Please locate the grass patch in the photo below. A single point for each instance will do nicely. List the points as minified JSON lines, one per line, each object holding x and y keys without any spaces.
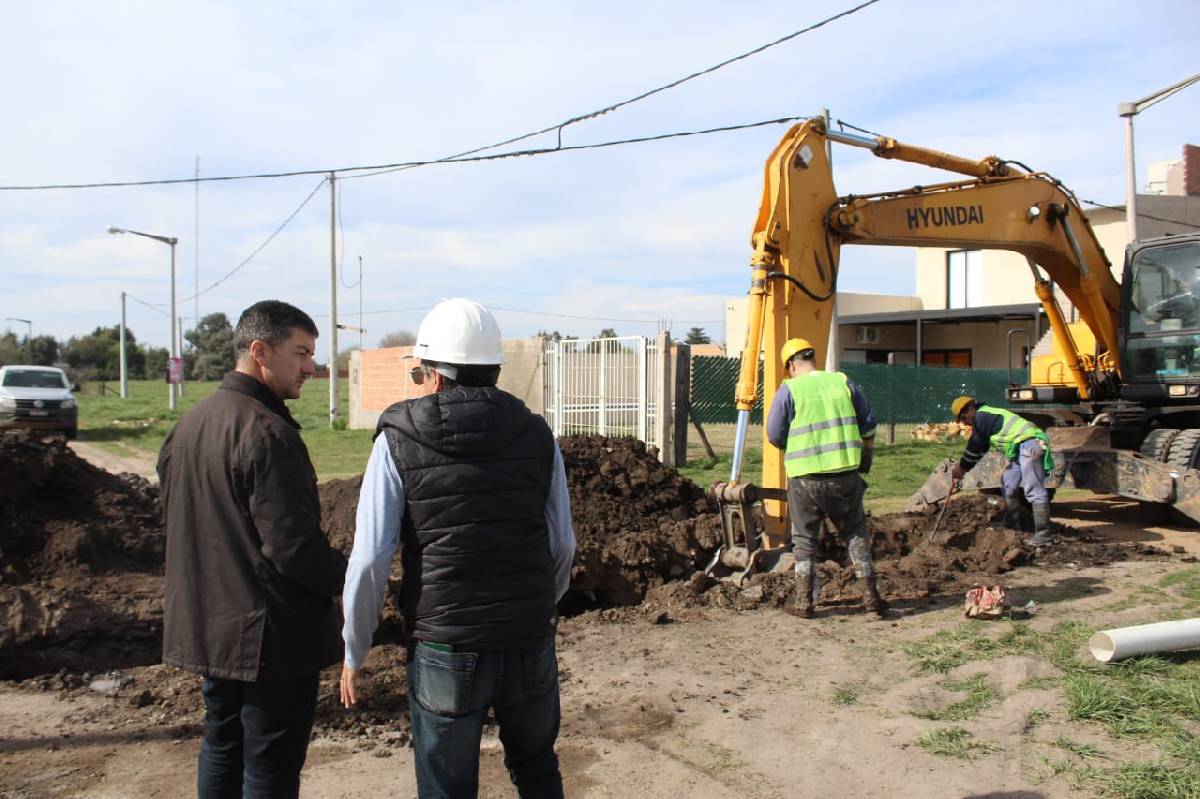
{"x":979,"y":693}
{"x":954,"y":742}
{"x":1038,"y":684}
{"x":141,"y":422}
{"x":1148,"y":781}
{"x":948,"y":649}
{"x":1039,"y":715}
{"x":1085,"y":751}
{"x":847,"y":695}
{"x":897,"y":473}
{"x":1186,"y":584}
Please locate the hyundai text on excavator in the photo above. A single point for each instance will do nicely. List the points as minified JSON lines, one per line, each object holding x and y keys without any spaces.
{"x":1123,"y":381}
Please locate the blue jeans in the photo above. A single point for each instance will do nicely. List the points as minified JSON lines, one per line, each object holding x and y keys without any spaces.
{"x":1027,"y":473}
{"x":255,"y":737}
{"x":449,"y":695}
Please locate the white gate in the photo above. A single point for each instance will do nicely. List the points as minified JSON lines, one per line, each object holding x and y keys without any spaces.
{"x":604,"y":386}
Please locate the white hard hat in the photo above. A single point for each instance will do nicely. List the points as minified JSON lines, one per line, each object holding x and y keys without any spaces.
{"x":459,"y":331}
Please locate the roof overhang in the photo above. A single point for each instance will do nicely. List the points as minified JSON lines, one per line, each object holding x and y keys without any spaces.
{"x":989,"y":313}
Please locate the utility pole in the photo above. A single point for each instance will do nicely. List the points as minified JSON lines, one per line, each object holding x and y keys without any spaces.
{"x":360,"y":308}
{"x":196,"y":246}
{"x":124,"y":361}
{"x":333,"y":319}
{"x":180,"y":351}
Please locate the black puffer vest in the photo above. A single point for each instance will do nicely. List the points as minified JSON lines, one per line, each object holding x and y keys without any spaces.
{"x":476,"y":467}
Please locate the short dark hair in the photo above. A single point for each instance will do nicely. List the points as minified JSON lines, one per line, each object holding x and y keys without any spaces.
{"x":474,"y":376}
{"x":803,"y":355}
{"x":271,"y":322}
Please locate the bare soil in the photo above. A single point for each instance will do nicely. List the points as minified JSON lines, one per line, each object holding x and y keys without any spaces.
{"x":671,"y":682}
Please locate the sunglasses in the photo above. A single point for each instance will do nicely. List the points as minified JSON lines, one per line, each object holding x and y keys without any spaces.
{"x":418,"y":373}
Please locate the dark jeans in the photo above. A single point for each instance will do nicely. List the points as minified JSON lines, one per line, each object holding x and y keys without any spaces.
{"x":449,"y":694}
{"x":255,"y":737}
{"x":838,"y":497}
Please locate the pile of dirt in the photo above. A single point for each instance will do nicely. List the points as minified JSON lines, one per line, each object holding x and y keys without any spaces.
{"x":81,"y":554}
{"x":970,"y":548}
{"x":638,"y":524}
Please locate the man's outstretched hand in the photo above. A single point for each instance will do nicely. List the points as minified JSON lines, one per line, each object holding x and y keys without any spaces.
{"x":348,"y":686}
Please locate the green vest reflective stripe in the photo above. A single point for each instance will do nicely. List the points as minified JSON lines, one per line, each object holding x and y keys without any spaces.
{"x":1014,"y":432}
{"x":824,"y":435}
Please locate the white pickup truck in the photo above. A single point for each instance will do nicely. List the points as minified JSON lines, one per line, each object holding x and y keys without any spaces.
{"x":37,"y":397}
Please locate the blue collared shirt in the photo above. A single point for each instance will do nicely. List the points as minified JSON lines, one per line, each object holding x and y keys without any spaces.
{"x":377,"y":536}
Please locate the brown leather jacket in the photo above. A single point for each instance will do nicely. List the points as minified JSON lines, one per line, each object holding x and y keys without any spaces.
{"x":251,"y":581}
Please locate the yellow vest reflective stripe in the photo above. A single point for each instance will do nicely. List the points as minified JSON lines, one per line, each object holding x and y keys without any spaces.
{"x":1014,"y":429}
{"x":824,"y":435}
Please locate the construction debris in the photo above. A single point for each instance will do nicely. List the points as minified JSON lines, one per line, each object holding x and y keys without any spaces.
{"x":942,"y":431}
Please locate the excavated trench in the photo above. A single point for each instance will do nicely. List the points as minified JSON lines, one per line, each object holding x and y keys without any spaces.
{"x":81,"y":555}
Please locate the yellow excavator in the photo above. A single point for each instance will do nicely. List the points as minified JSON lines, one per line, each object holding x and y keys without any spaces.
{"x":1123,"y":381}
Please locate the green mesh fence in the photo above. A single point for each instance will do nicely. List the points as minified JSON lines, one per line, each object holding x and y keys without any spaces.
{"x":902,"y":394}
{"x":713,"y":382}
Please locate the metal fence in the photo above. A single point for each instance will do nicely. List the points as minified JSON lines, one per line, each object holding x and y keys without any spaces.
{"x":902,"y":394}
{"x":604,"y":386}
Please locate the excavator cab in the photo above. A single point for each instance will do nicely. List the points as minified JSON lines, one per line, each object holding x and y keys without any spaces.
{"x":1162,"y":320}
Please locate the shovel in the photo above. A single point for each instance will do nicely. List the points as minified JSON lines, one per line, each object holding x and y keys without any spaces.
{"x":941,"y":513}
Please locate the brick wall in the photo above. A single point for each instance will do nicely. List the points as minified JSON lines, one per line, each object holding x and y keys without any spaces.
{"x":379,"y":378}
{"x":1191,"y":169}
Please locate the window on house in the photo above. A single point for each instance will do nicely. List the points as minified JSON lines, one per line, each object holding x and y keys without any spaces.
{"x":964,"y":279}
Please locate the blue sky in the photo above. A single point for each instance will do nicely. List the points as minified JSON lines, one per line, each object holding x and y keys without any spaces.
{"x":137,"y":90}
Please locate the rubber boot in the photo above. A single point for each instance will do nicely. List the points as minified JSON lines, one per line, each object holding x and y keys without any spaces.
{"x":1041,"y":526}
{"x":1012,"y":512}
{"x":802,"y":608}
{"x":872,"y":602}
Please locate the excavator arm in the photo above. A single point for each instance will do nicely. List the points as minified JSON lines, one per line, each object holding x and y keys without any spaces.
{"x":802,"y":224}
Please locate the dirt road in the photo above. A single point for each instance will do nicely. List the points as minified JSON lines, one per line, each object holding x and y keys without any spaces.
{"x":700,"y":702}
{"x":699,"y":689}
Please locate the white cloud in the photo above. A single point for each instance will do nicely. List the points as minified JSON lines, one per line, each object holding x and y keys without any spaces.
{"x":137,"y":89}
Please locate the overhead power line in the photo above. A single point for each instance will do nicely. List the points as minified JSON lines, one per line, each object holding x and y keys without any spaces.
{"x":252,"y":255}
{"x":1143,"y":214}
{"x":384,"y":168}
{"x":465,"y":155}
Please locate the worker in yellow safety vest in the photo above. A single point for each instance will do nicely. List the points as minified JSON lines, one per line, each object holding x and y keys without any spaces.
{"x":823,"y":423}
{"x":1027,"y":449}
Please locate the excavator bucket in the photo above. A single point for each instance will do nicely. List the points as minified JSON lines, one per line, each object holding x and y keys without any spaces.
{"x":745,"y":549}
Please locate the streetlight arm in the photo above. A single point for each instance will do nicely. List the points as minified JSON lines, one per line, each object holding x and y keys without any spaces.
{"x":1138,"y":106}
{"x":164,"y":239}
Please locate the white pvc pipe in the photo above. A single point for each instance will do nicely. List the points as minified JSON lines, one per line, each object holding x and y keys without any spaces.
{"x":1163,"y":636}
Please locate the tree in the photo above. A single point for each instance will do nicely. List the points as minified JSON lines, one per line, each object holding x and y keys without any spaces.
{"x":97,"y":355}
{"x":155,"y":363}
{"x":343,"y":358}
{"x":398,"y":338}
{"x":607,"y":332}
{"x":696,"y":335}
{"x":44,"y":350}
{"x":213,"y":351}
{"x":10,"y":349}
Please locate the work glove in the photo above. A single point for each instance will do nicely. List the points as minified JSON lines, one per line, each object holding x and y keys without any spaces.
{"x":868,"y":455}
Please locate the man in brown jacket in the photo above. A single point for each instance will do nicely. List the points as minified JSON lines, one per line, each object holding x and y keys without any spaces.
{"x":251,"y":580}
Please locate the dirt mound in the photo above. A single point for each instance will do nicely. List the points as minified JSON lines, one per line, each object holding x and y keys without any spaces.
{"x":59,"y":513}
{"x":637,"y":523}
{"x":81,"y":554}
{"x":970,"y":548}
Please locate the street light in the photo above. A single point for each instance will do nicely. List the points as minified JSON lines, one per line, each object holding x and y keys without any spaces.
{"x":172,"y":350}
{"x":1129,"y":111}
{"x":28,"y":336}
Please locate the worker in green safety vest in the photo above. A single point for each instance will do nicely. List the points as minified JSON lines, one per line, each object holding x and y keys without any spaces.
{"x":824,"y":425}
{"x":1027,"y":449}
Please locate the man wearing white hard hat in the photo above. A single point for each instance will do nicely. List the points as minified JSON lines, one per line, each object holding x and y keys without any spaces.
{"x":469,"y":484}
